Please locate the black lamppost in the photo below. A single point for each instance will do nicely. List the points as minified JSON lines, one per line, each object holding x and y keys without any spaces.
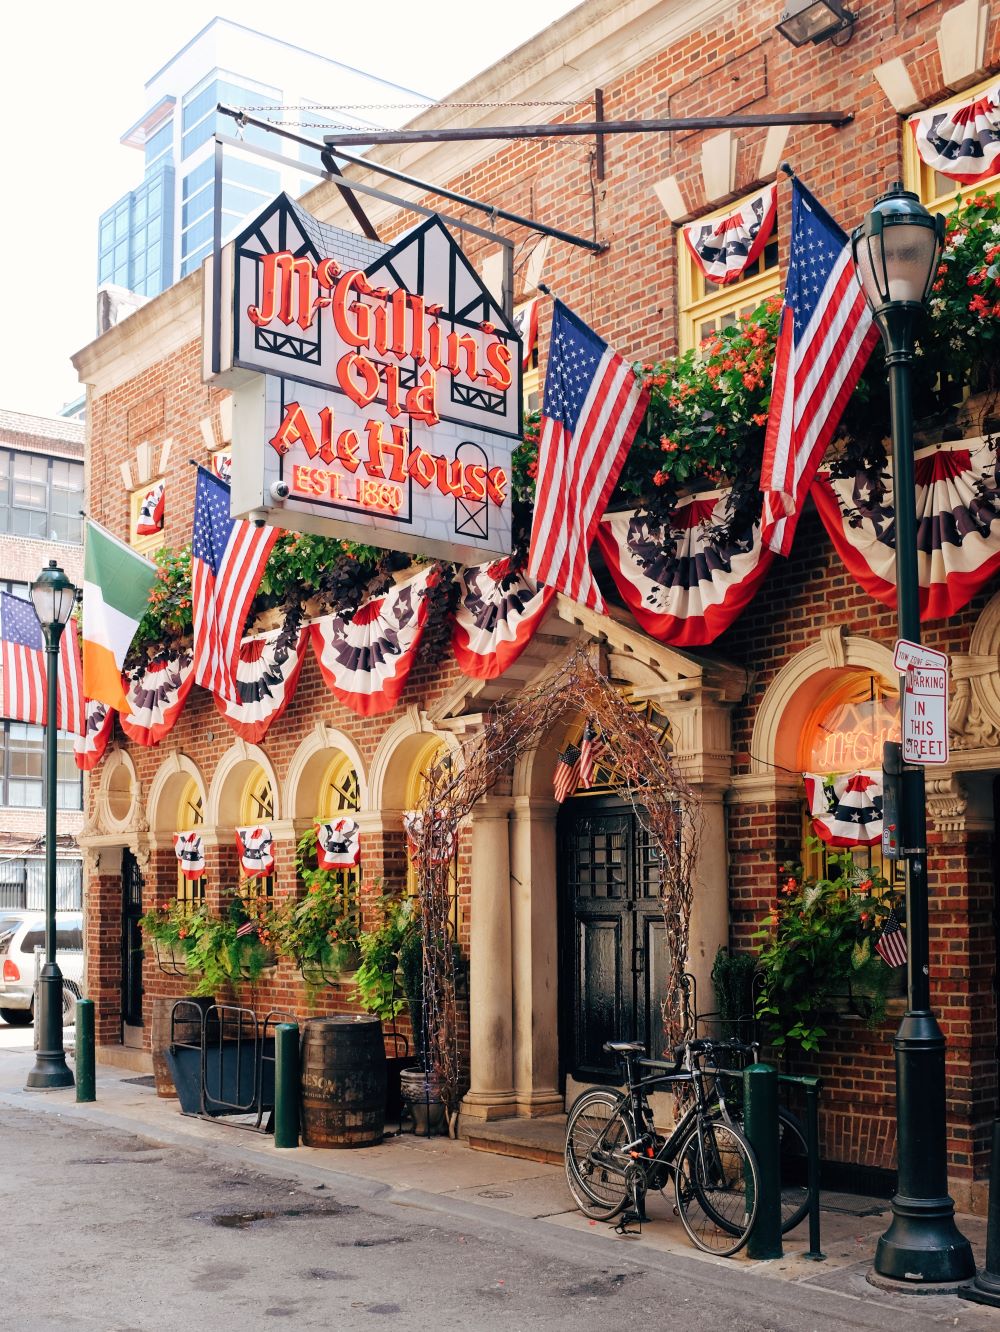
{"x":896,"y":252}
{"x":53,"y":597}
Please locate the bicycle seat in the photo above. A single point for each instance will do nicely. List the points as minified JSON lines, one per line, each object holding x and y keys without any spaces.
{"x":624,"y":1047}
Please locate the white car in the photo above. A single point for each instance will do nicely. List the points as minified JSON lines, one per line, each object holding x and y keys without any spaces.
{"x":20,"y":933}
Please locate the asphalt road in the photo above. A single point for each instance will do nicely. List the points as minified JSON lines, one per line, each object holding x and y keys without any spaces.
{"x":108,"y":1232}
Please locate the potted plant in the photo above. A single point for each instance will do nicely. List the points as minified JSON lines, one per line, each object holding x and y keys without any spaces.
{"x":170,"y":930}
{"x":817,"y":949}
{"x":733,"y":981}
{"x":379,"y":985}
{"x":320,"y":930}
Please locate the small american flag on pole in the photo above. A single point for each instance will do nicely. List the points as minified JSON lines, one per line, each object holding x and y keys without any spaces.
{"x":891,"y":943}
{"x":590,"y":750}
{"x":826,"y":336}
{"x":566,"y":776}
{"x":24,"y":670}
{"x":593,"y":405}
{"x":227,"y":563}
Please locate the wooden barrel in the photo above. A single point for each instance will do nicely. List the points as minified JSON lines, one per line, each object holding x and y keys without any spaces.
{"x":187,"y":1028}
{"x":343,"y":1082}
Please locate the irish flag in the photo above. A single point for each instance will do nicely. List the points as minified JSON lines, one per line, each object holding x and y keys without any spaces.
{"x":116,"y":587}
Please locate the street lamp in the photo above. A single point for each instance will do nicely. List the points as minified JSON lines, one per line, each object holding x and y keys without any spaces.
{"x":53,"y":597}
{"x":896,"y":253}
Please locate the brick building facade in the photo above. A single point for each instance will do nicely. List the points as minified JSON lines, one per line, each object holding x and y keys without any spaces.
{"x":738,"y":711}
{"x":41,"y":494}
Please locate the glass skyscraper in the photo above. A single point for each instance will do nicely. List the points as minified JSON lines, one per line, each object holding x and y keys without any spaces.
{"x":162,"y":230}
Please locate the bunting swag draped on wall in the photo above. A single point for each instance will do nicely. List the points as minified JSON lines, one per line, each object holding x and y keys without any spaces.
{"x":267,"y":672}
{"x":156,"y":698}
{"x":689,"y":597}
{"x":98,"y":723}
{"x":962,"y":142}
{"x":498,"y":612}
{"x":846,"y":810}
{"x":958,"y":532}
{"x":725,"y":247}
{"x":365,"y":662}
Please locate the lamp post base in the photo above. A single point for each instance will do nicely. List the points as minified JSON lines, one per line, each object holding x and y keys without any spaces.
{"x":51,"y":1069}
{"x":923,"y":1246}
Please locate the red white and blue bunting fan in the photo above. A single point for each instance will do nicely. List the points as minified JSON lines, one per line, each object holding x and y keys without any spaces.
{"x":157,"y":698}
{"x":725,"y":247}
{"x":683,"y":590}
{"x":846,"y":809}
{"x":443,"y":840}
{"x":267,"y":672}
{"x":958,"y":525}
{"x":190,"y":852}
{"x":498,"y":611}
{"x":963,"y":142}
{"x":366,"y":661}
{"x":98,"y":723}
{"x":150,"y":519}
{"x":256,"y":848}
{"x":338,"y":843}
{"x":222,"y":466}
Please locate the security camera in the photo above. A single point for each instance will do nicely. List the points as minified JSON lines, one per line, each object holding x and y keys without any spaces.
{"x":280,"y":490}
{"x":258,"y":517}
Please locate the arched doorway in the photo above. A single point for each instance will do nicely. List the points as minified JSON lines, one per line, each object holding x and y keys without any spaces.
{"x":612,"y":981}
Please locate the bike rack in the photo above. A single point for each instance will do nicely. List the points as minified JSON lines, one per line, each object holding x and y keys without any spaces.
{"x":809,"y":1085}
{"x":230,"y":1070}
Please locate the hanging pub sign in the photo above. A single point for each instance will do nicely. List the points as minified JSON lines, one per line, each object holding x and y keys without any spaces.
{"x":376,"y":389}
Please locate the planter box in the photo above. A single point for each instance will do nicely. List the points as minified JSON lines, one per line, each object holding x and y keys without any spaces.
{"x":231,"y":1068}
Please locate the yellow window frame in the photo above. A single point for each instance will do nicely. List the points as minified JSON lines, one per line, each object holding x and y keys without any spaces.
{"x":257,"y":806}
{"x":190,"y":815}
{"x":145,"y":545}
{"x":416,"y":787}
{"x":935,"y":191}
{"x":338,"y":794}
{"x":702,"y":303}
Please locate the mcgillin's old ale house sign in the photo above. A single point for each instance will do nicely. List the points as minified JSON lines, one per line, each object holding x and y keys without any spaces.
{"x":376,"y":389}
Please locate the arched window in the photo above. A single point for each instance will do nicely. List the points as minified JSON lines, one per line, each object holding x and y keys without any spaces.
{"x":190,"y":815}
{"x":416,"y":790}
{"x":846,"y":730}
{"x":338,"y":794}
{"x":257,"y":806}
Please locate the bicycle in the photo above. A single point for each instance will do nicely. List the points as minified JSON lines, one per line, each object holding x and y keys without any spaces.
{"x":614,"y":1154}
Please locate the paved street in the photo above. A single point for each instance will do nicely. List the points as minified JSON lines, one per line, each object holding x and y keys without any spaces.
{"x":112,"y":1231}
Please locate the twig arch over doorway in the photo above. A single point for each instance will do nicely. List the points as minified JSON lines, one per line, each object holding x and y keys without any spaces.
{"x":664,"y":801}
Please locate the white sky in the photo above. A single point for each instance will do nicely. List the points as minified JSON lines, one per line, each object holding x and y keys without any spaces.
{"x":72,"y":76}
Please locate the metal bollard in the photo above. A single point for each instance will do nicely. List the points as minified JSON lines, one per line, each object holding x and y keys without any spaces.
{"x":984,"y":1288}
{"x":286,"y":1084}
{"x":85,"y":1082}
{"x":760,"y":1091}
{"x":815,"y":1253}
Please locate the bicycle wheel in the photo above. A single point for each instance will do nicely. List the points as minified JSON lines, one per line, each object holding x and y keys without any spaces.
{"x":597,"y":1125}
{"x":793,"y":1159}
{"x":716,"y":1187}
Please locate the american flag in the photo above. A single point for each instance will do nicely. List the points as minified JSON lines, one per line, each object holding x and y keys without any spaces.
{"x":826,"y":336}
{"x":590,"y":749}
{"x":891,"y":943}
{"x":227,"y":563}
{"x":24,"y":669}
{"x":566,"y":776}
{"x":592,"y":408}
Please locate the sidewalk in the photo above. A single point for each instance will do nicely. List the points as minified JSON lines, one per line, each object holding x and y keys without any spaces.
{"x":454,"y":1177}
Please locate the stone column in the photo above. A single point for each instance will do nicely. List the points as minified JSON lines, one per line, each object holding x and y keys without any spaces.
{"x":709,"y":926}
{"x":534,"y":930}
{"x":491,"y":1091}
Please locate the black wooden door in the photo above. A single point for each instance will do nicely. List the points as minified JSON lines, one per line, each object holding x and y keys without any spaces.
{"x":131,"y":941}
{"x":613,"y":938}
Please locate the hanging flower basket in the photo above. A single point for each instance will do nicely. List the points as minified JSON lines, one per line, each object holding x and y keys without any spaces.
{"x":171,"y":961}
{"x":318,"y":972}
